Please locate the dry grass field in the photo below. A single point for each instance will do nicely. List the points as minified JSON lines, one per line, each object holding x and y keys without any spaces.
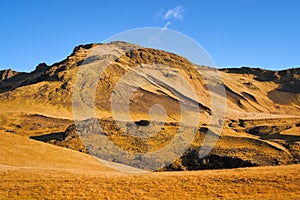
{"x":35,"y":170}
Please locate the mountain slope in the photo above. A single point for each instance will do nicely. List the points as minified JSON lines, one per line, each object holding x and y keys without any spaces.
{"x":247,"y":90}
{"x":262,"y":109}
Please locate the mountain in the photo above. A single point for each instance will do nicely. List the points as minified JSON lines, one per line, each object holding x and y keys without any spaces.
{"x":261,"y":124}
{"x":6,"y":74}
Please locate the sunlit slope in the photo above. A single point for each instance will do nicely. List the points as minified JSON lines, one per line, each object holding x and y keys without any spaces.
{"x":262,"y":107}
{"x":19,"y":152}
{"x":249,"y":92}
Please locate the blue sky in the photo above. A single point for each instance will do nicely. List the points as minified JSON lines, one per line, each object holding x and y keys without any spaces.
{"x":257,"y":33}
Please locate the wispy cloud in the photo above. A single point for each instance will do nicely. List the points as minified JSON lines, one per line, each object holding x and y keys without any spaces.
{"x":175,"y":13}
{"x":166,"y":25}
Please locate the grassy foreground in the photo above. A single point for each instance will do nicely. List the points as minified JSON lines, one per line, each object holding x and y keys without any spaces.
{"x":281,"y":182}
{"x":35,"y":170}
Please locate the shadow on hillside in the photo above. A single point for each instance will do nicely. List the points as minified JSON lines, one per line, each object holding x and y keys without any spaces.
{"x":290,"y":139}
{"x":60,"y":136}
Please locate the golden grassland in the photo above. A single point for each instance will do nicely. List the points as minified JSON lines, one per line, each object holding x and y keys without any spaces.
{"x":280,"y":182}
{"x":35,"y":170}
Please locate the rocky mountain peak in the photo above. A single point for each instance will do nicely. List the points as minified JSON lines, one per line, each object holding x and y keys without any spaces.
{"x":41,"y":67}
{"x":83,"y":47}
{"x":6,"y":74}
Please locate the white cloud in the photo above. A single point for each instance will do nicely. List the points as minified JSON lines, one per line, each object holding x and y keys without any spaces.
{"x":169,"y":16}
{"x":175,"y":13}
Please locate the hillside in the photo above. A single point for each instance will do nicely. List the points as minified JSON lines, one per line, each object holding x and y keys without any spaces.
{"x":261,"y":124}
{"x":248,"y":90}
